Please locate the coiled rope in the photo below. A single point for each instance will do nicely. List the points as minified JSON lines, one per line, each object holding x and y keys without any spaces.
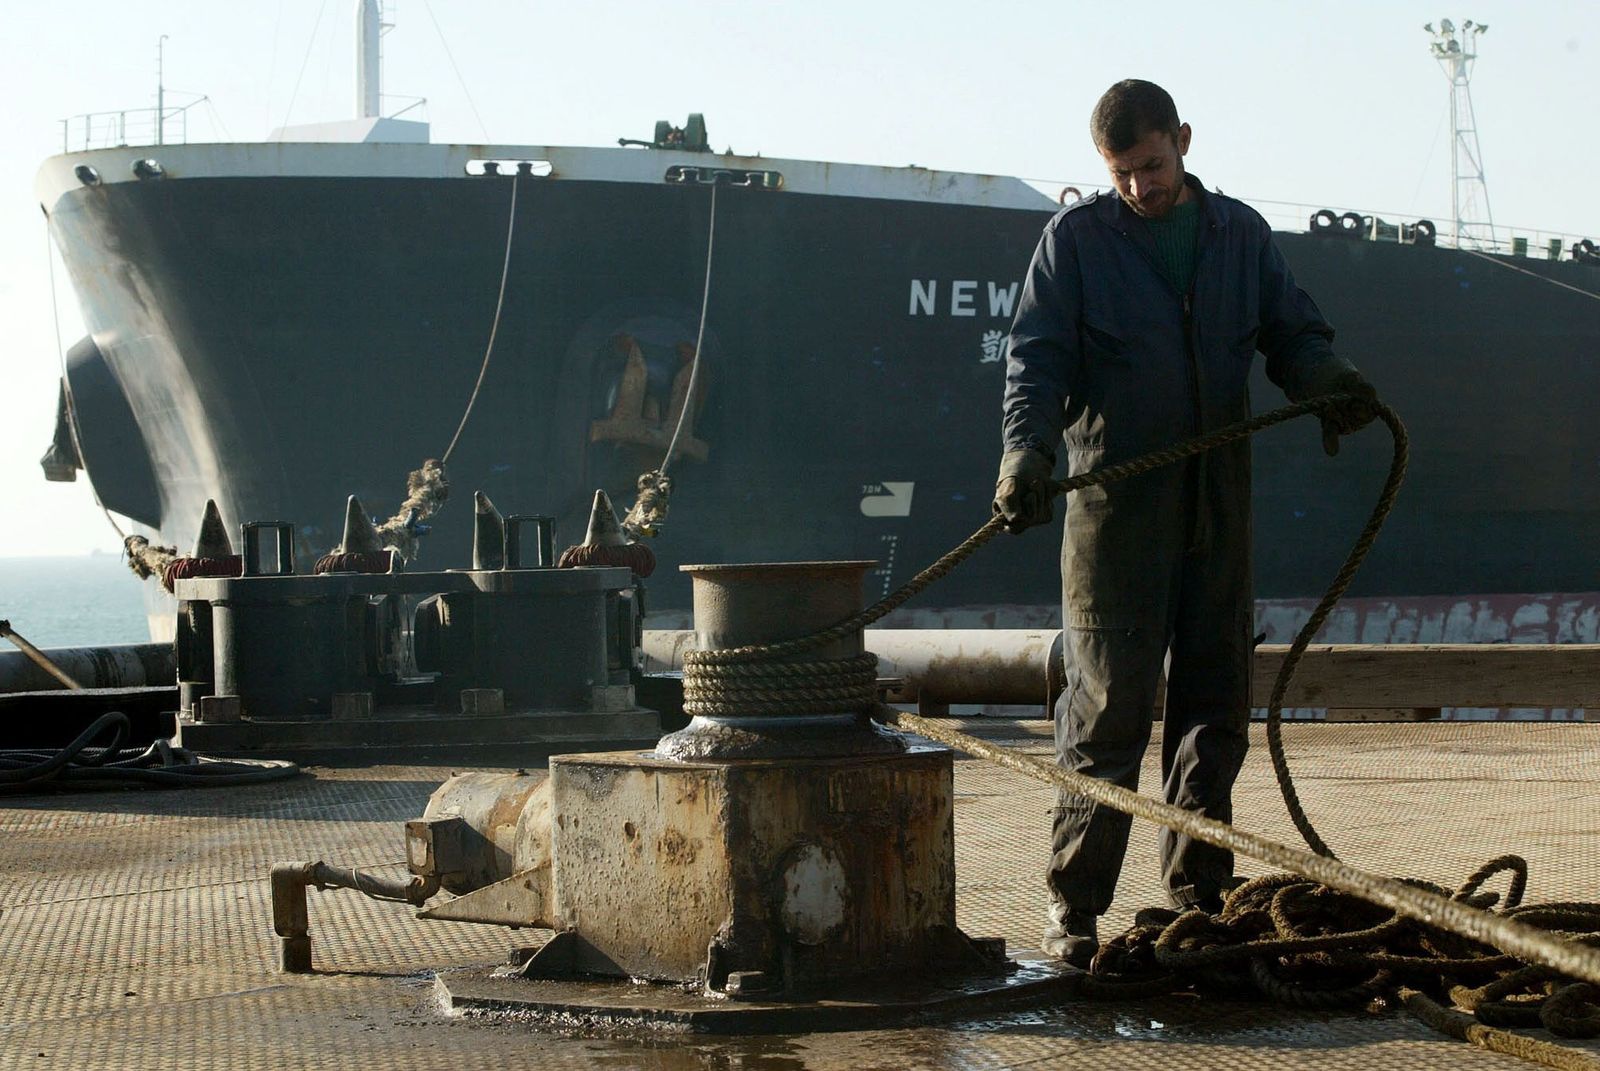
{"x":1304,"y":944}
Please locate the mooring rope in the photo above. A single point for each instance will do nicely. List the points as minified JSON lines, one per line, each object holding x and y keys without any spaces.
{"x":815,"y":687}
{"x":649,"y":509}
{"x":709,"y":676}
{"x":1421,"y":937}
{"x":699,"y":339}
{"x":1499,"y":263}
{"x":1326,"y":942}
{"x":494,"y":324}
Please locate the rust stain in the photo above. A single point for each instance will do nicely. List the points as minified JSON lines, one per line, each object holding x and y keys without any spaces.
{"x":675,"y":848}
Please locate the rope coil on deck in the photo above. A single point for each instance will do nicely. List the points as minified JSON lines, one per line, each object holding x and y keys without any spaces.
{"x":1395,"y":934}
{"x":1432,"y":941}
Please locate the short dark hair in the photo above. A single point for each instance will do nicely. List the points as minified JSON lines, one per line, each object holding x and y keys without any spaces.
{"x":1128,"y":111}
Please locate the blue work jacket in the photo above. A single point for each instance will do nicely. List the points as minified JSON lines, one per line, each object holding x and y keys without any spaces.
{"x":1105,"y":350}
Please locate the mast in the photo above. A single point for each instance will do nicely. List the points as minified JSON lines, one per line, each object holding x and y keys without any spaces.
{"x":1456,"y":52}
{"x":369,"y":72}
{"x":161,"y":90}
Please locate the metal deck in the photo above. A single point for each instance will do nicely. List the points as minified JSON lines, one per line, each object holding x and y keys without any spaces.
{"x":135,"y":930}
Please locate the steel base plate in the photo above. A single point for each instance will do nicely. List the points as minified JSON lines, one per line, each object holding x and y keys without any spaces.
{"x":422,"y":735}
{"x":562,"y":1004}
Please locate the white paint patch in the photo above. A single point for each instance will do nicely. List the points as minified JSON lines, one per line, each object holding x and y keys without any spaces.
{"x":814,"y":894}
{"x":890,"y":498}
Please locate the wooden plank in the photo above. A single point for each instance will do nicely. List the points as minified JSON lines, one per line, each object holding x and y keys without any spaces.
{"x":1435,"y":675}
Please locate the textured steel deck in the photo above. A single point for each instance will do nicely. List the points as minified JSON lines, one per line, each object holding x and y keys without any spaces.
{"x":135,"y":932}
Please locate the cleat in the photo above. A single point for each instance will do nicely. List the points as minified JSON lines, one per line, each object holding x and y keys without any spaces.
{"x":604,"y":530}
{"x":606,"y":544}
{"x":488,"y":534}
{"x":360,"y":537}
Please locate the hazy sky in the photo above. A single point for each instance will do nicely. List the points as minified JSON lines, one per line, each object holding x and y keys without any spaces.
{"x":1320,"y":103}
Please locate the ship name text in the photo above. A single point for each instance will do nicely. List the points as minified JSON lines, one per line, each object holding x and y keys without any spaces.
{"x":962,"y":297}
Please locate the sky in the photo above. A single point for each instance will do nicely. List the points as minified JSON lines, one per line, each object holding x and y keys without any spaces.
{"x":1336,"y":104}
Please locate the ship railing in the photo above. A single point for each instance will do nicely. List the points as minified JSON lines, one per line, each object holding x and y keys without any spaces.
{"x":1533,"y":243}
{"x":129,"y":126}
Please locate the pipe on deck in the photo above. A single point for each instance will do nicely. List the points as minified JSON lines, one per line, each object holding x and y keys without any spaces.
{"x":38,"y":657}
{"x":934,"y":666}
{"x":128,"y":665}
{"x":291,"y":919}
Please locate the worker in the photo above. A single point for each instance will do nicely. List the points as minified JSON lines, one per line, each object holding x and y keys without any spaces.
{"x":1141,"y":314}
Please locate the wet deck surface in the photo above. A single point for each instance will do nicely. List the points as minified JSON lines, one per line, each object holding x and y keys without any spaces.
{"x":135,"y":930}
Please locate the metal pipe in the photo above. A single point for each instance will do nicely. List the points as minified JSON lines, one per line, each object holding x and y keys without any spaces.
{"x":38,"y":657}
{"x":934,"y":665}
{"x":125,"y":665}
{"x":291,"y":919}
{"x":968,"y":665}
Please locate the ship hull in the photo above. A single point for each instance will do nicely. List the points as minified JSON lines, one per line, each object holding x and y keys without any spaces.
{"x":286,"y":340}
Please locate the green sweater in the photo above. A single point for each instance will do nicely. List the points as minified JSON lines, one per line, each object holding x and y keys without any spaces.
{"x":1175,"y":242}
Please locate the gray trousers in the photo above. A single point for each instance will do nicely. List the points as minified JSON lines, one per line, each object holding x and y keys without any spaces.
{"x":1156,"y":567}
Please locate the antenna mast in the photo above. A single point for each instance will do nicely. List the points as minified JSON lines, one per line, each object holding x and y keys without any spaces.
{"x":1456,"y":50}
{"x":161,"y":90}
{"x":369,"y":61}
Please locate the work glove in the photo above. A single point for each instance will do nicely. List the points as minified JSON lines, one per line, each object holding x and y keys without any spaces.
{"x":1348,"y":416}
{"x":1022,"y":491}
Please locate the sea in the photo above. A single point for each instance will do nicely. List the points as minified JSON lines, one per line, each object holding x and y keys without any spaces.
{"x":73,"y":602}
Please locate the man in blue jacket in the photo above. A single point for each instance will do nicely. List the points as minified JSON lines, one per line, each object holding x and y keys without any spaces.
{"x":1136,"y":328}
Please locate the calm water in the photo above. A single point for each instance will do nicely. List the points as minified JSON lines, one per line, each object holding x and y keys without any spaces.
{"x":69,"y":602}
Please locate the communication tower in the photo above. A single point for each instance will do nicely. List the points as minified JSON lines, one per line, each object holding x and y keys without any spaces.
{"x":1455,"y":50}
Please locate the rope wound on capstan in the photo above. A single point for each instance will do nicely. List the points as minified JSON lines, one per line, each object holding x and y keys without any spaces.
{"x":754,"y":689}
{"x":606,"y":544}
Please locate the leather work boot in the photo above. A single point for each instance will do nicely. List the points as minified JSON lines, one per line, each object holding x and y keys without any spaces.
{"x":1211,"y":905}
{"x":1189,"y":898}
{"x":1071,"y":936}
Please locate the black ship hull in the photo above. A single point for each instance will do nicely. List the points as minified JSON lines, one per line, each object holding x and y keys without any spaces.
{"x":281,"y":341}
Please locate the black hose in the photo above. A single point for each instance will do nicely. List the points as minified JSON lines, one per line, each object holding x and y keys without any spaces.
{"x":158,"y":765}
{"x":24,"y":766}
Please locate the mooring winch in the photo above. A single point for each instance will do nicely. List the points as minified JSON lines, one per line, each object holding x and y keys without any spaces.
{"x":511,"y":654}
{"x":768,"y":857}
